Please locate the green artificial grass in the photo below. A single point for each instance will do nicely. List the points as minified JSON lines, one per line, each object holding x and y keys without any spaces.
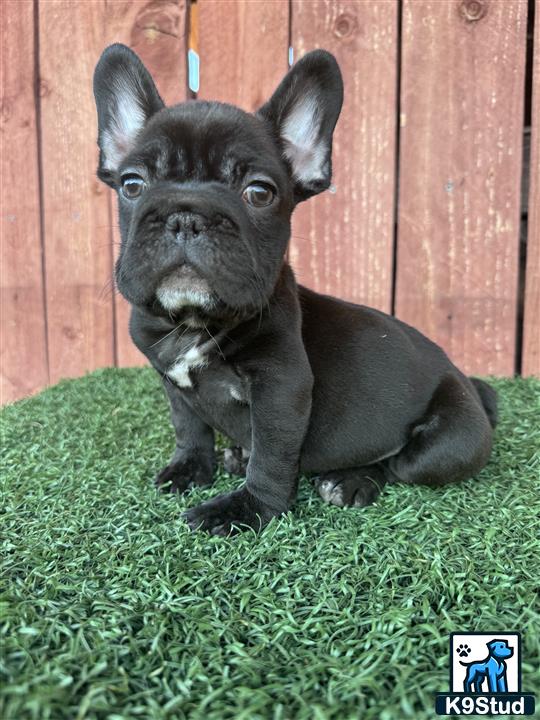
{"x":112,"y":609}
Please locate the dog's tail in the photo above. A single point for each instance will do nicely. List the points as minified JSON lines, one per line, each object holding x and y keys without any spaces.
{"x":488,"y":397}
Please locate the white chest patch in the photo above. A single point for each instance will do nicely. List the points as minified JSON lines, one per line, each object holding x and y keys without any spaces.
{"x":192,"y":359}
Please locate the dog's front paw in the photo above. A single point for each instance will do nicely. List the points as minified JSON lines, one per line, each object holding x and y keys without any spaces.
{"x":180,"y":475}
{"x":228,"y":514}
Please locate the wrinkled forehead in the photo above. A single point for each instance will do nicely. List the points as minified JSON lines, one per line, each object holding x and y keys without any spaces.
{"x":208,"y":141}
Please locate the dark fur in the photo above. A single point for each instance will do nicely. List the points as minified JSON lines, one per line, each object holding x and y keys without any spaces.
{"x":303,"y":382}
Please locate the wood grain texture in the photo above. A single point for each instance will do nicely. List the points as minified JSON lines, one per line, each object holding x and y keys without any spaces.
{"x":343,"y":239}
{"x":156,"y":31}
{"x":75,"y":203}
{"x":243,"y":47}
{"x":23,"y":351}
{"x":461,"y":100}
{"x":461,"y":136}
{"x":531,"y":324}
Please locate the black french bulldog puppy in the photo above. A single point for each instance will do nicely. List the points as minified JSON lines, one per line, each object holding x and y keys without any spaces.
{"x":302,"y":382}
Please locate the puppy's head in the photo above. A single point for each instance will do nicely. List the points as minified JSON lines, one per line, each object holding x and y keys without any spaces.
{"x":500,"y":649}
{"x":205,"y":190}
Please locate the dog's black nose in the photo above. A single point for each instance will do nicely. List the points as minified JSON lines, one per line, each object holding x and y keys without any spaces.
{"x":187,"y":223}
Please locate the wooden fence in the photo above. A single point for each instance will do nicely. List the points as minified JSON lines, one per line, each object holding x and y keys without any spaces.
{"x":424,"y":215}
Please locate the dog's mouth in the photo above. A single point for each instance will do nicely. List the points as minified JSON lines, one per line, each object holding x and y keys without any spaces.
{"x":185,"y":287}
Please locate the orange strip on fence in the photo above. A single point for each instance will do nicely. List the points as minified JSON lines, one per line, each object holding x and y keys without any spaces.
{"x":243,"y":50}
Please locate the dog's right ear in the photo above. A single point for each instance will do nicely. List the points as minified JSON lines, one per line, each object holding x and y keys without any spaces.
{"x":126,"y":98}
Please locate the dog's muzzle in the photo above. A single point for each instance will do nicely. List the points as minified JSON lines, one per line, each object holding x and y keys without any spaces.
{"x":184,"y":287}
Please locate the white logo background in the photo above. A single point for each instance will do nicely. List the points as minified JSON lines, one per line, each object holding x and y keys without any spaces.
{"x":480,"y":651}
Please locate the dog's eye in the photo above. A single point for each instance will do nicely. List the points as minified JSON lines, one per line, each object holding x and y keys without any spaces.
{"x":132,"y":186}
{"x":258,"y":194}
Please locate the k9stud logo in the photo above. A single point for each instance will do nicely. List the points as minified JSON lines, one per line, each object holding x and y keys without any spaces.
{"x":485,"y":676}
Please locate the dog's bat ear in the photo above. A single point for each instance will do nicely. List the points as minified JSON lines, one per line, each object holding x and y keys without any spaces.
{"x":303,"y":112}
{"x":126,"y":98}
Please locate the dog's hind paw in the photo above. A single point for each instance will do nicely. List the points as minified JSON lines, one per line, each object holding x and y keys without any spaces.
{"x":235,"y":461}
{"x":356,"y":487}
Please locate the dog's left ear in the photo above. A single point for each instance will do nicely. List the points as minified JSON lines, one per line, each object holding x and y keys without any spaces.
{"x":303,"y":112}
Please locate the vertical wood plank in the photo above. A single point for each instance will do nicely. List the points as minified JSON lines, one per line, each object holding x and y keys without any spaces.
{"x":243,"y":49}
{"x":461,"y":136}
{"x":156,"y":31}
{"x":343,"y":239}
{"x":23,"y":343}
{"x":531,"y":324}
{"x":75,"y":203}
{"x":87,"y":323}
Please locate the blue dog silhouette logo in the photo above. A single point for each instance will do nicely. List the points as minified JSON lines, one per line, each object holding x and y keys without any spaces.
{"x":485,"y":676}
{"x":492,"y":669}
